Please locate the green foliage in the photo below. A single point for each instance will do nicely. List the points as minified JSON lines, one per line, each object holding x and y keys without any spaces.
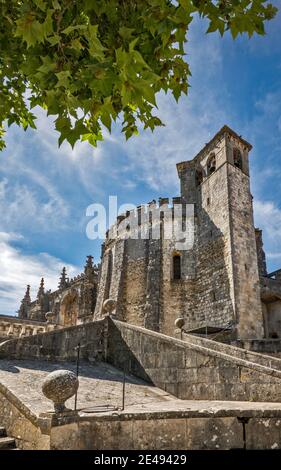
{"x":89,"y":61}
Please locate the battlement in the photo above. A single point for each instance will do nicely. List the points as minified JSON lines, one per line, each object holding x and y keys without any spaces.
{"x":146,"y":214}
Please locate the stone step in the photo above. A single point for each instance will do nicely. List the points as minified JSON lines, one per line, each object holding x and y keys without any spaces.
{"x":7,"y":443}
{"x":2,"y":432}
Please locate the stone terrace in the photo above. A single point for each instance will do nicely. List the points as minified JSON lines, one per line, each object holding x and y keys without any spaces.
{"x":180,"y":424}
{"x":99,"y":384}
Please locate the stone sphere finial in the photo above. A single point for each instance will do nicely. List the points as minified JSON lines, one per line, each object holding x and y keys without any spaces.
{"x":109,"y":306}
{"x":58,"y":386}
{"x":179,"y":323}
{"x":49,"y":317}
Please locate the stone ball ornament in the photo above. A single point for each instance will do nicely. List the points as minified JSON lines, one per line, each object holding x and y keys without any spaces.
{"x":59,"y":386}
{"x":109,"y":306}
{"x":179,"y":323}
{"x":49,"y":317}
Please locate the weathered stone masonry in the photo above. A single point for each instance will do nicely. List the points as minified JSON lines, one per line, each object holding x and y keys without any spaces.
{"x":223,"y":283}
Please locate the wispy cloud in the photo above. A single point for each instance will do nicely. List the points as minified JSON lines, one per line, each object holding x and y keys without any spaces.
{"x":19,"y":269}
{"x":43,"y":188}
{"x":268,"y":217}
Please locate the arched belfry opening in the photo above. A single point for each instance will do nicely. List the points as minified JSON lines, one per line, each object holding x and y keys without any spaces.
{"x":212,"y":164}
{"x":237,"y":158}
{"x":176,"y":267}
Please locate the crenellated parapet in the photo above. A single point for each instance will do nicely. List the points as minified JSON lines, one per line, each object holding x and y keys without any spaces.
{"x":144,"y":221}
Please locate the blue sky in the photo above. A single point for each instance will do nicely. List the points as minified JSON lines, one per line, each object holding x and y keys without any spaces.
{"x":44,"y":191}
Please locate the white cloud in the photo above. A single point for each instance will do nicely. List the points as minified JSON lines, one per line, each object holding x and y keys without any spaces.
{"x":268,"y":218}
{"x":274,"y":256}
{"x":19,"y":269}
{"x":189,"y":124}
{"x":20,"y":207}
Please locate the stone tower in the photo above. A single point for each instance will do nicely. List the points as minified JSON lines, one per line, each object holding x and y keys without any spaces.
{"x":213,"y":284}
{"x":227,"y":275}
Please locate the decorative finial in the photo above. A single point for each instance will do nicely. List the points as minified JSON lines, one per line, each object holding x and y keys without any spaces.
{"x":27,"y":294}
{"x":89,"y":262}
{"x":23,"y":311}
{"x":59,"y":386}
{"x":89,"y":267}
{"x":41,"y":290}
{"x":63,"y":279}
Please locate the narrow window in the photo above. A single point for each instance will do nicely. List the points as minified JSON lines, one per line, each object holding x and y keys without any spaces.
{"x":211,"y":165}
{"x":177,"y":267}
{"x":237,"y":158}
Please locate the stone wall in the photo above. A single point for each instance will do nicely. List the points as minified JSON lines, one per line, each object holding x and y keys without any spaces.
{"x":20,"y":423}
{"x":103,"y":283}
{"x":244,"y":256}
{"x":135,"y":277}
{"x":215,"y":303}
{"x":270,"y":347}
{"x":260,"y":253}
{"x":176,"y":430}
{"x":60,"y":344}
{"x":187,"y":370}
{"x":166,"y":432}
{"x":274,"y":319}
{"x":190,"y":369}
{"x":242,"y":352}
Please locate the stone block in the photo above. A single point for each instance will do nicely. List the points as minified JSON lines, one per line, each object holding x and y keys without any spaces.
{"x":188,"y":376}
{"x":228,"y":374}
{"x":263,"y":433}
{"x":214,"y":433}
{"x":163,"y":375}
{"x":64,"y":437}
{"x":105,"y":435}
{"x":208,"y":375}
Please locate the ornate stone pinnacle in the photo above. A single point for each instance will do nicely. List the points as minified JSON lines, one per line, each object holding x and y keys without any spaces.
{"x":63,"y":279}
{"x":89,"y":262}
{"x":41,"y":290}
{"x":27,"y":294}
{"x":25,"y":304}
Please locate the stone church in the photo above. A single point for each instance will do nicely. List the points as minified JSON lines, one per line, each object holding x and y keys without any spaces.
{"x":220,"y":286}
{"x":179,"y":333}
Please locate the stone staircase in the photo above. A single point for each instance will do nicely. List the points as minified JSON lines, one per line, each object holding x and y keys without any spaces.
{"x":235,"y":352}
{"x":6,"y":443}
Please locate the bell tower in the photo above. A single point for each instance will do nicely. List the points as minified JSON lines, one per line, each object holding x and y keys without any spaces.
{"x":227,"y":277}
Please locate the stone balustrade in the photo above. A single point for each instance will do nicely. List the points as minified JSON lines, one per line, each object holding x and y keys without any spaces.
{"x":13,"y":327}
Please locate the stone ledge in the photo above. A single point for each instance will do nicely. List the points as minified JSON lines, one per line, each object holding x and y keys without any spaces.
{"x":202,"y":349}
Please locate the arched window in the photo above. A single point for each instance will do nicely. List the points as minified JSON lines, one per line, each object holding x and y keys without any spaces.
{"x":176,"y":267}
{"x":237,"y":158}
{"x":211,"y":165}
{"x":198,"y":177}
